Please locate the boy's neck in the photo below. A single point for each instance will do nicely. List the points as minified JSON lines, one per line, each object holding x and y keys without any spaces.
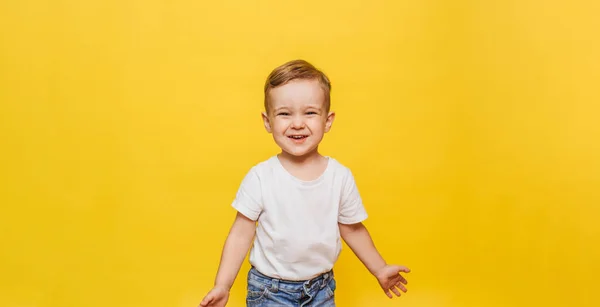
{"x":307,"y":167}
{"x":312,"y":158}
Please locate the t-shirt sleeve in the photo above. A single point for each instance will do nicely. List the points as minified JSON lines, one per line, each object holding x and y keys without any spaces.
{"x":248,"y":199}
{"x":352,"y":209}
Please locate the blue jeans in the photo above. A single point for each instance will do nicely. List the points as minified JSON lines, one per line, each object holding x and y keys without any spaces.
{"x":264,"y":291}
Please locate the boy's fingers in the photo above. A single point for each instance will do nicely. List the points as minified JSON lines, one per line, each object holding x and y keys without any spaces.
{"x":401,"y":286}
{"x":207,"y":299}
{"x":395,"y":291}
{"x":387,"y":292}
{"x":403,"y":280}
{"x":399,"y":268}
{"x":396,"y":280}
{"x":404,"y":269}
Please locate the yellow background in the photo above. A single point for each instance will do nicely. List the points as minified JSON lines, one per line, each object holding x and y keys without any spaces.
{"x":472,"y":128}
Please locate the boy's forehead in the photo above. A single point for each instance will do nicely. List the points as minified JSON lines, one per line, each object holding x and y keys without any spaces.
{"x":297,"y":92}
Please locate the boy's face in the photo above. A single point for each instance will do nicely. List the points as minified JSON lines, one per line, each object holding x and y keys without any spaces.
{"x":297,"y":116}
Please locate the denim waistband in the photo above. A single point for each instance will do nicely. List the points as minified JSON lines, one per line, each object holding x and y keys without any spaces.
{"x":290,"y":285}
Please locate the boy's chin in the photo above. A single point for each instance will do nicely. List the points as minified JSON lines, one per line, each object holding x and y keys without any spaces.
{"x":299,"y":153}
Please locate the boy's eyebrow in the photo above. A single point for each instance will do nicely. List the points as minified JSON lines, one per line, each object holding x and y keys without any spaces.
{"x":312,"y":106}
{"x":279,"y":109}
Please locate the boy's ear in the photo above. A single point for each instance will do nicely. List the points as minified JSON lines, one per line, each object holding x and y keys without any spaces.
{"x":329,"y":122}
{"x":266,"y":122}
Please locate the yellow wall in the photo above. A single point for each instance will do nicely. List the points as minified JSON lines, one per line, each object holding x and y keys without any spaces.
{"x":472,"y":128}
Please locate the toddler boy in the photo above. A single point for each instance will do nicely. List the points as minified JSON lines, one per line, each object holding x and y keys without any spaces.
{"x":294,"y":208}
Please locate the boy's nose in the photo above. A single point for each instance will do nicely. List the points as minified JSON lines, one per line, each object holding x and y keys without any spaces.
{"x":297,"y":123}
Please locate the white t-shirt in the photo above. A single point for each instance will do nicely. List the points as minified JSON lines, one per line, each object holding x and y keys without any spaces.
{"x":297,"y":236}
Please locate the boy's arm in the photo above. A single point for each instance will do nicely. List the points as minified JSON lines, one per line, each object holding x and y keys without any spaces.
{"x":360,"y":242}
{"x":234,"y":252}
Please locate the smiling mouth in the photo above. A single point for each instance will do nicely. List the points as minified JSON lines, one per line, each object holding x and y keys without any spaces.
{"x":297,"y":137}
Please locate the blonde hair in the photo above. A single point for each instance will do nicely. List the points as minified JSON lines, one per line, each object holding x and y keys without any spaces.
{"x":297,"y":69}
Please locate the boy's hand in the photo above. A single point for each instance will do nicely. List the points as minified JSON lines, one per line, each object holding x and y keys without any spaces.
{"x":390,"y":279}
{"x":217,"y":297}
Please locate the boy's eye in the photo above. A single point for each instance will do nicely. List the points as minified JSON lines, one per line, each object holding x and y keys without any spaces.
{"x":283,"y":113}
{"x":311,"y":113}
